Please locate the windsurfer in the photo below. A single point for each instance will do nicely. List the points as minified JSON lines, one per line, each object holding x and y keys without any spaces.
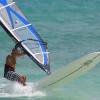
{"x":9,"y":70}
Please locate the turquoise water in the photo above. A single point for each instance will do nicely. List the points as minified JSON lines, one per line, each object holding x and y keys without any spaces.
{"x":72,"y":29}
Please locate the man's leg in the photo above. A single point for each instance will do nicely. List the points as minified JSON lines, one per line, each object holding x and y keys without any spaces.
{"x":22,"y":79}
{"x":13,"y":76}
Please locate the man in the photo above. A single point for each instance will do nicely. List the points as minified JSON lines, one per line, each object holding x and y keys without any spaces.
{"x":9,"y":70}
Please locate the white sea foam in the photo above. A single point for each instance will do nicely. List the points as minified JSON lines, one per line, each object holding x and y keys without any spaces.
{"x":12,"y":89}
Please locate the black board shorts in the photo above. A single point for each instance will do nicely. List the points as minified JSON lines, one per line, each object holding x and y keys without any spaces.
{"x":10,"y":74}
{"x":13,"y":76}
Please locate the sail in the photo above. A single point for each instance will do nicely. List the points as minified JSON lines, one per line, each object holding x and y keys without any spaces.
{"x":20,"y":30}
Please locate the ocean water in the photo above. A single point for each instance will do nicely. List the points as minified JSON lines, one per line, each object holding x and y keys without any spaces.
{"x":72,"y":29}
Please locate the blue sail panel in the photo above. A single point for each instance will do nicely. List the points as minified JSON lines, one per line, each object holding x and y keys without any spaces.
{"x":21,"y":30}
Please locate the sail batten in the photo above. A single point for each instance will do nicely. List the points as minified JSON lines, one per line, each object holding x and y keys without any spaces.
{"x":21,"y":27}
{"x":7,"y":5}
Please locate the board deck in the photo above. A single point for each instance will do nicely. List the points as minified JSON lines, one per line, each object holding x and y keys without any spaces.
{"x":71,"y":71}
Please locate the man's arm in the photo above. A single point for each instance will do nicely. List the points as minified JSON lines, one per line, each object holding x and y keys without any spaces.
{"x":20,"y":53}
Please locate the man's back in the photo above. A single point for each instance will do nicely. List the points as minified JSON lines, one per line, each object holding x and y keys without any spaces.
{"x":11,"y":61}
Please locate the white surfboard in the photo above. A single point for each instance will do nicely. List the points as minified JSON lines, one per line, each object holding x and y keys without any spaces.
{"x":71,"y":71}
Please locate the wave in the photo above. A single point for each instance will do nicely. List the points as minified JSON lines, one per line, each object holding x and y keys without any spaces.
{"x":14,"y":89}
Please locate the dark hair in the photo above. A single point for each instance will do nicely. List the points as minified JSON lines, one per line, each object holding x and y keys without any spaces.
{"x":13,"y":49}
